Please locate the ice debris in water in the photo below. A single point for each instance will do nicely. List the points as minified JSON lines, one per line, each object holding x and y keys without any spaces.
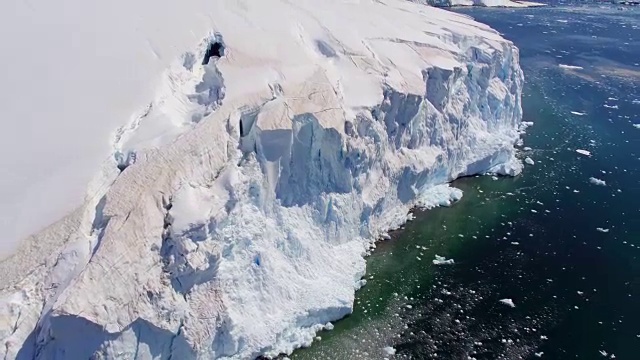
{"x":508,"y":302}
{"x":578,"y":113}
{"x":529,"y":161}
{"x":389,"y":350}
{"x":570,"y":67}
{"x":602,"y":230}
{"x":596,"y":181}
{"x":637,"y":126}
{"x":439,"y":195}
{"x":583,"y":152}
{"x":440,"y":260}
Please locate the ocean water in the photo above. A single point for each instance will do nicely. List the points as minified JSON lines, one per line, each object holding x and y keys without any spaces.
{"x":565,"y":250}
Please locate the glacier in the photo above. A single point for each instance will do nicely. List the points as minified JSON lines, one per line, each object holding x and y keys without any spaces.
{"x":233,"y":215}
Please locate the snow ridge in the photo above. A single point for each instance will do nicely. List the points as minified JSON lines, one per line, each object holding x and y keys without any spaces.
{"x":233,"y":217}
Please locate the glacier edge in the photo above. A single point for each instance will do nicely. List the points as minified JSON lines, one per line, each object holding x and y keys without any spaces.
{"x":246,"y":232}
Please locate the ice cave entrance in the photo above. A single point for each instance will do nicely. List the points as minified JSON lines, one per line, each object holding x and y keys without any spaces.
{"x":215,"y":49}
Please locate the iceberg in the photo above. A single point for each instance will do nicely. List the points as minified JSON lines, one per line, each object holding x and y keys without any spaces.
{"x":233,"y":214}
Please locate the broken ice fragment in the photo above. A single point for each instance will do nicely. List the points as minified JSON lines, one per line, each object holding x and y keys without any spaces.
{"x":508,"y":302}
{"x":596,"y":181}
{"x":440,"y":260}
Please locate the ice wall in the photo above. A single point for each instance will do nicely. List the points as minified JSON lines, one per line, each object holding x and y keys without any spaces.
{"x":235,"y":223}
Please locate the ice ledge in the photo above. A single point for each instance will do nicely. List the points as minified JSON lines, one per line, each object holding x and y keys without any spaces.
{"x":245,"y":232}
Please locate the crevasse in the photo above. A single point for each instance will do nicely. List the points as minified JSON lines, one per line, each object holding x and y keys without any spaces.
{"x":244,"y":231}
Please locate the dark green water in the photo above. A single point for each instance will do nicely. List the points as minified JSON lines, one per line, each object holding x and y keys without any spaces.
{"x":532,"y":238}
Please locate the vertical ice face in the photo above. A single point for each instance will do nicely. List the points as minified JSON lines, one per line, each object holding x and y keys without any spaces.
{"x":244,"y":198}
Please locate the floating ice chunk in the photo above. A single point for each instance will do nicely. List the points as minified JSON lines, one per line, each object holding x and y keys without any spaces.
{"x":583,"y":152}
{"x":389,"y":350}
{"x":539,"y":354}
{"x":508,"y":302}
{"x":570,"y":67}
{"x":440,"y":260}
{"x":578,"y":113}
{"x":526,"y":148}
{"x":525,"y":124}
{"x":439,"y":195}
{"x":328,"y":326}
{"x":611,"y":106}
{"x":602,"y":230}
{"x":529,"y":161}
{"x":637,"y":126}
{"x":596,"y":181}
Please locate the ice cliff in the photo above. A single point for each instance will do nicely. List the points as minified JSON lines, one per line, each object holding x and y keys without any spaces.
{"x":232,"y":218}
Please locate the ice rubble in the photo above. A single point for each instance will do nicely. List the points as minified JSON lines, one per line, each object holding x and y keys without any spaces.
{"x":242,"y":233}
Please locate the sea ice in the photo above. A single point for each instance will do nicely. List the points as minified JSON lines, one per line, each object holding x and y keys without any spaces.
{"x":529,"y":161}
{"x":583,"y":152}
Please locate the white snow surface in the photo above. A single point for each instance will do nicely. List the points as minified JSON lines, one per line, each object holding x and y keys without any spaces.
{"x":253,"y":185}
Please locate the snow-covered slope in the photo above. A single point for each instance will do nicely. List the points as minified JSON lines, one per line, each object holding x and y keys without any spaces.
{"x":253,"y":185}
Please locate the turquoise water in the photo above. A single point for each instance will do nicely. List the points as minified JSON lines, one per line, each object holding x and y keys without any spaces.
{"x":533,"y":238}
